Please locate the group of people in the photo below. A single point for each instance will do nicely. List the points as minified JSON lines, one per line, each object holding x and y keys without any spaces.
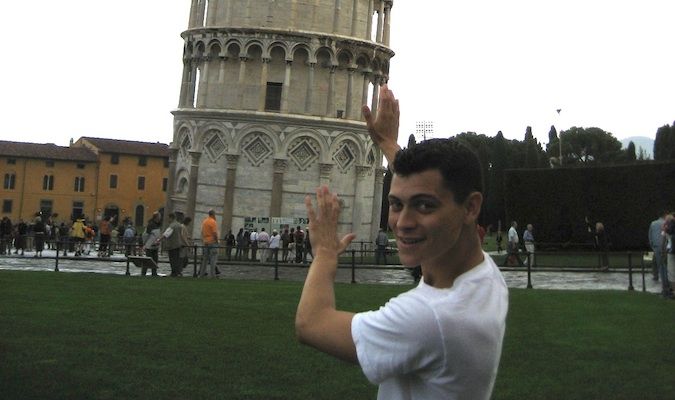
{"x":251,"y":245}
{"x":662,"y":239}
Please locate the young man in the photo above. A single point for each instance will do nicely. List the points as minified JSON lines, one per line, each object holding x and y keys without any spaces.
{"x":210,"y":242}
{"x":443,"y":339}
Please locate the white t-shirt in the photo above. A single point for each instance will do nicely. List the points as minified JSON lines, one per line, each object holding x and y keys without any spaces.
{"x":513,"y":235}
{"x":431,"y":343}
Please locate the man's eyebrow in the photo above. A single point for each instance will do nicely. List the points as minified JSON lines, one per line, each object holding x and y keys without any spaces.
{"x":420,"y":196}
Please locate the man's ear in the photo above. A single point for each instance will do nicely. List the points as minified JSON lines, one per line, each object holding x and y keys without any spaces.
{"x":472,"y":205}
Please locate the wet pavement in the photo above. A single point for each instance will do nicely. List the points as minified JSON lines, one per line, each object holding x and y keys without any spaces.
{"x":117,"y":264}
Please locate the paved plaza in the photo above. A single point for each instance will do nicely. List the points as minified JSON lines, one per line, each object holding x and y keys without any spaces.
{"x":117,"y":265}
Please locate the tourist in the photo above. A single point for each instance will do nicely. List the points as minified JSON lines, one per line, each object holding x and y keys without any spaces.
{"x":381,"y":242}
{"x":253,"y":242}
{"x":210,"y":243}
{"x":299,"y":245}
{"x":172,"y":243}
{"x":229,"y":244}
{"x":77,"y":235}
{"x":602,"y":245}
{"x":442,"y":339}
{"x":105,"y":230}
{"x":659,"y":267}
{"x":275,"y":241}
{"x":39,"y":231}
{"x":285,"y":241}
{"x":185,"y":244}
{"x":263,"y":239}
{"x":240,"y":245}
{"x":150,"y":245}
{"x":528,"y":238}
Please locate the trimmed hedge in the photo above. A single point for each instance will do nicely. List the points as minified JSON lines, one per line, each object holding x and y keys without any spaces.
{"x":625,"y":198}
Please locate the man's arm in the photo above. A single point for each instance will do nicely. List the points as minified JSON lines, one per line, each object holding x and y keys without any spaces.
{"x":383,"y":128}
{"x":317,"y":322}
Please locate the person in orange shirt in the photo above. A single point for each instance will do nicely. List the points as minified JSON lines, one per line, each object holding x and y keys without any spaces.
{"x":210,"y":242}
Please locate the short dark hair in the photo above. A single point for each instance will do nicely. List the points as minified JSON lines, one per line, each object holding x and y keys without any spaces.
{"x":457,"y":163}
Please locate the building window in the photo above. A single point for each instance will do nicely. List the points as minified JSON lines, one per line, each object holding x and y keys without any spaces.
{"x":141,"y":183}
{"x":273,"y":96}
{"x":7,"y":206}
{"x":79,"y":183}
{"x":114,"y":159}
{"x":142,"y":161}
{"x":49,"y":163}
{"x":48,"y":182}
{"x":11,"y":161}
{"x":10,"y":182}
{"x":165,"y":184}
{"x":46,"y":207}
{"x":80,"y":166}
{"x":78,"y":209}
{"x":166,"y":162}
{"x":113,"y":181}
{"x":140,"y":215}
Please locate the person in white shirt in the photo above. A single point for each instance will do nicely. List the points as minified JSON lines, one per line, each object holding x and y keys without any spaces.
{"x":263,"y":239}
{"x":253,"y":240}
{"x":275,"y":242}
{"x":442,"y":339}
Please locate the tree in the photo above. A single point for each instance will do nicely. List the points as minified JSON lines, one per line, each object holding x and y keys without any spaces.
{"x":630,"y":152}
{"x":664,"y":143}
{"x":589,"y":146}
{"x":532,"y":150}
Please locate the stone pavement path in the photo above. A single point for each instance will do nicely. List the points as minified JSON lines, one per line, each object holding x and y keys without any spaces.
{"x":292,"y":272}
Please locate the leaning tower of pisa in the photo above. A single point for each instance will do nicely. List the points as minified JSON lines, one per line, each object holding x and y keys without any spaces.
{"x":270,"y":108}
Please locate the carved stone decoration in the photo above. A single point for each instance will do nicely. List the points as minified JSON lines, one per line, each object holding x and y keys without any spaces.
{"x":185,"y":146}
{"x":257,"y":147}
{"x":345,"y":156}
{"x":325,"y":170}
{"x":280,"y":166}
{"x":371,"y":158}
{"x":362,"y":171}
{"x":304,"y":152}
{"x":215,"y":146}
{"x":232,"y":160}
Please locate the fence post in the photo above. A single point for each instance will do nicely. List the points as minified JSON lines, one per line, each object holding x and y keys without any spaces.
{"x":529,"y":271}
{"x":194,"y":262}
{"x":353,"y":266}
{"x":642,"y":267}
{"x":127,"y":273}
{"x":630,"y":271}
{"x":276,"y":266}
{"x":56,"y":267}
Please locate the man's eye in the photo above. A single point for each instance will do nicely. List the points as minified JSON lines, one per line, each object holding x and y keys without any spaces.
{"x":395,"y":206}
{"x":424,"y":206}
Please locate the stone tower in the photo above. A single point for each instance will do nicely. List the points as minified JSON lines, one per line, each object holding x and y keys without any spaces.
{"x":270,"y":108}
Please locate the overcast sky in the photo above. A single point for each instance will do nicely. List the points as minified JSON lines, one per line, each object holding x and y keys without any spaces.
{"x":76,"y":68}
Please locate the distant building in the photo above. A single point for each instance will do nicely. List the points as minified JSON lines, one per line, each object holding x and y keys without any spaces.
{"x":270,"y":108}
{"x":424,"y":130}
{"x":93,"y":178}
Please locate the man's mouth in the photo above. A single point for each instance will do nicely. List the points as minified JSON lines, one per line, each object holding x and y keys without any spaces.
{"x":410,"y":241}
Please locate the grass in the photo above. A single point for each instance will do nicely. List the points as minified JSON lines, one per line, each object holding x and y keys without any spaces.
{"x":68,"y":336}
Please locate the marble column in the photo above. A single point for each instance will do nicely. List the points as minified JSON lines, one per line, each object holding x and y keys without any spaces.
{"x":183,"y":98}
{"x":280,"y":168}
{"x":336,"y":16}
{"x":173,"y":156}
{"x":325,"y":171}
{"x":287,"y":87}
{"x":220,"y":93}
{"x":369,"y":25}
{"x":263,"y":84}
{"x":330,"y":103}
{"x":190,"y":97}
{"x":211,"y":13}
{"x":228,"y":199}
{"x":355,"y":15}
{"x":350,"y":92}
{"x":359,"y":195}
{"x":242,"y":80}
{"x":364,"y":93}
{"x":377,"y":200}
{"x":387,"y":24}
{"x":310,"y":88}
{"x":192,"y":183}
{"x":380,"y":22}
{"x":202,"y":93}
{"x":376,"y":94}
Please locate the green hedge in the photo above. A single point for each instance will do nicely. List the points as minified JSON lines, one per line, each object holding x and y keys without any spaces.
{"x":624,"y":198}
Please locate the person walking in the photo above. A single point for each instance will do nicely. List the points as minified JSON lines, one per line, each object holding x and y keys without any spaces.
{"x":172,"y":243}
{"x":150,"y":245}
{"x":210,"y":243}
{"x":381,"y":241}
{"x":528,"y":238}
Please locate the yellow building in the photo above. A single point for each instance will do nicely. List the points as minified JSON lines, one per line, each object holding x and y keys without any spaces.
{"x":93,"y":177}
{"x":46,"y":178}
{"x":132,"y":178}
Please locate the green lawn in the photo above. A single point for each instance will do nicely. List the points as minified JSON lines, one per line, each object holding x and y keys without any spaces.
{"x":90,"y":336}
